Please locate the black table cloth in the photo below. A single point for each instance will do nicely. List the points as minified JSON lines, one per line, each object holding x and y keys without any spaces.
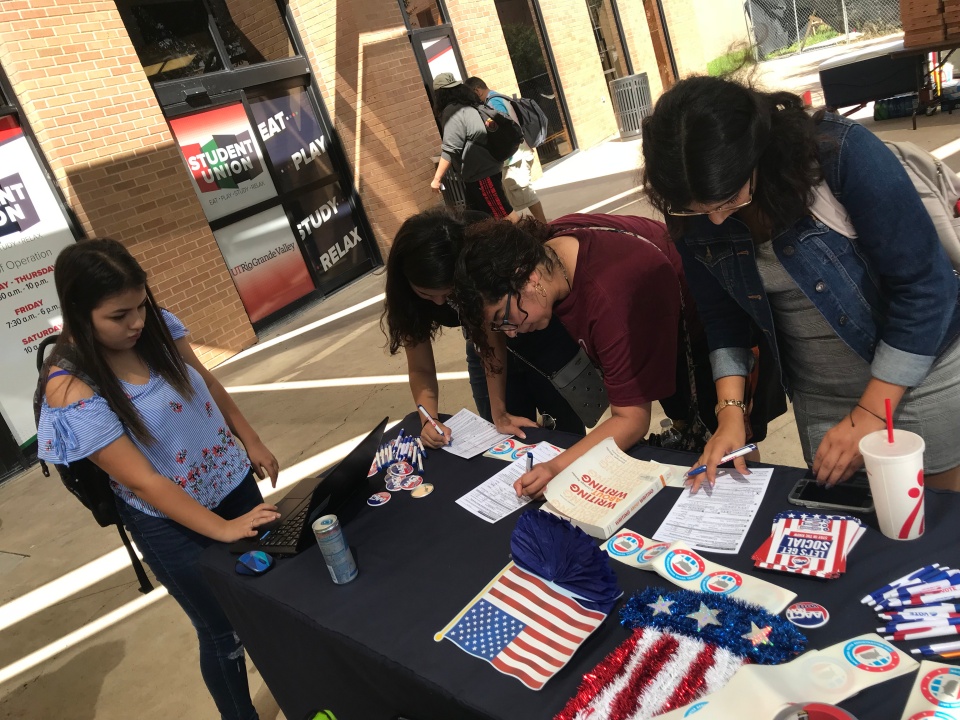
{"x":366,"y":650}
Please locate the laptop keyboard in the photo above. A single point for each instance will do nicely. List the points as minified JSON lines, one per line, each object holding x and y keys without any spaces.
{"x":287,"y":533}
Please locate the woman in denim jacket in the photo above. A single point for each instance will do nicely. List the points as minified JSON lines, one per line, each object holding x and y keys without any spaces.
{"x":851,"y":317}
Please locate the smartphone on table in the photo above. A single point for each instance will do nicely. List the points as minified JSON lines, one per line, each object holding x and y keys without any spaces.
{"x":850,"y":496}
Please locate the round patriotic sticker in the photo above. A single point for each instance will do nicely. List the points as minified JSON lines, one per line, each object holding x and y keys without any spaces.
{"x":400,"y":469}
{"x":932,"y":714}
{"x":828,"y":674}
{"x":411,"y":482}
{"x":695,"y":708}
{"x":871,"y":655}
{"x":652,"y":552}
{"x":683,"y":565}
{"x":807,"y":615}
{"x":624,"y":544}
{"x":722,"y":582}
{"x":941,"y":687}
{"x":380,"y":498}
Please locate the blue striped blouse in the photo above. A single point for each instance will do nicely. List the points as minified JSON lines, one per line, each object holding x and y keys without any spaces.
{"x":194,"y":447}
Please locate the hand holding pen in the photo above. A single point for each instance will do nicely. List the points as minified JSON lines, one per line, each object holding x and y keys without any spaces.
{"x":696,"y":474}
{"x":434,"y":434}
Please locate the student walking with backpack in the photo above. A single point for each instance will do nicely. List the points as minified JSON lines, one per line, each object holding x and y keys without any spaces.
{"x":476,"y":141}
{"x":165,"y":431}
{"x":808,"y":229}
{"x":517,"y":170}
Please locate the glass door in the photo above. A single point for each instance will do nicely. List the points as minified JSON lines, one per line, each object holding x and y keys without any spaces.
{"x":533,"y":65}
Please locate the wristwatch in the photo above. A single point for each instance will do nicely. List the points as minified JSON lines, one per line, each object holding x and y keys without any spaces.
{"x":727,"y":403}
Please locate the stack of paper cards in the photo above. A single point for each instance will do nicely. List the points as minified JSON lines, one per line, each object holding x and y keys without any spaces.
{"x":809,"y":544}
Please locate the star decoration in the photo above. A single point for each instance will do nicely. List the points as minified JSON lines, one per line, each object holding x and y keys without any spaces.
{"x":704,"y":616}
{"x":661,"y":606}
{"x":758,"y":636}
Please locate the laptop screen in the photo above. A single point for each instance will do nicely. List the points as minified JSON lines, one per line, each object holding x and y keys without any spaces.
{"x":348,"y":479}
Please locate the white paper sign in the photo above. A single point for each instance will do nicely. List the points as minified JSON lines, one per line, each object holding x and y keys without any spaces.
{"x":33,"y":231}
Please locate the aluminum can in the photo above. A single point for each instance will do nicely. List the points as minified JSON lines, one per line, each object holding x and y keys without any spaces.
{"x":336,"y":552}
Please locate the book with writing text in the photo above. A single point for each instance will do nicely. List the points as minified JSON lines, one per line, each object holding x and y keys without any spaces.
{"x":603,"y":489}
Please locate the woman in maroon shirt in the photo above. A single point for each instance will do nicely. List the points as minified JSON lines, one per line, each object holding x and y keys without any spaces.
{"x":615,"y":282}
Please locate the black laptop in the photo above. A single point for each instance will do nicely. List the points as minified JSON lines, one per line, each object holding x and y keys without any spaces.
{"x":313,"y":497}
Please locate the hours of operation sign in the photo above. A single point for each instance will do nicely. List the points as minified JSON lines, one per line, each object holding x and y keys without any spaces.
{"x":33,"y":230}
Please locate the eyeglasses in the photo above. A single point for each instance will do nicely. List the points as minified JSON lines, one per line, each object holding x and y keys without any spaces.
{"x":728,"y":205}
{"x":505,"y":325}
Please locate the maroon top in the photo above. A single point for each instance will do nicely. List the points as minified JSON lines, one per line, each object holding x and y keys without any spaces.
{"x":624,"y":308}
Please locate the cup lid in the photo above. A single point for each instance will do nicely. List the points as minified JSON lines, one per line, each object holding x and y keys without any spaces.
{"x":904,"y":443}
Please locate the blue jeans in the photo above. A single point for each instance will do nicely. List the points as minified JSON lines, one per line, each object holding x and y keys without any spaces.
{"x":172,"y":551}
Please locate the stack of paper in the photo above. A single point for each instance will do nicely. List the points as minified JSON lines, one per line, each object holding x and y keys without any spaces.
{"x":809,"y":544}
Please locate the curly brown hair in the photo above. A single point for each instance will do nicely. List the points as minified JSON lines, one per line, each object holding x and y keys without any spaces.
{"x":497,"y":258}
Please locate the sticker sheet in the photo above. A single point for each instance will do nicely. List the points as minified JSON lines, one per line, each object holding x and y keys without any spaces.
{"x":935,"y":693}
{"x":689,"y":570}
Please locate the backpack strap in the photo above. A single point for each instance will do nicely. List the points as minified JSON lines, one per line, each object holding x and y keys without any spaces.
{"x":64,"y":357}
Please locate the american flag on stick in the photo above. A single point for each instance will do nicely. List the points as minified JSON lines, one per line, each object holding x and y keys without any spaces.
{"x":523,"y":625}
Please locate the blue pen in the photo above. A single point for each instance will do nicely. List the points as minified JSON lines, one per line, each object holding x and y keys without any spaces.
{"x":530,"y":461}
{"x":903,"y":593}
{"x":745,"y":450}
{"x":937,"y":648}
{"x":906,"y":594}
{"x":911,"y":578}
{"x":918,"y":624}
{"x":263,"y":537}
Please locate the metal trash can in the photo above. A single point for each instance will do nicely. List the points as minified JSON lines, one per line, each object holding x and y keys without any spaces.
{"x":631,"y":102}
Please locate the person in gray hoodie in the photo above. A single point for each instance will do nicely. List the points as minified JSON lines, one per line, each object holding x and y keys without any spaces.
{"x":463,"y":130}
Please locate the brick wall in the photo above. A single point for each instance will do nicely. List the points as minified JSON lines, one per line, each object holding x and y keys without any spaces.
{"x":84,"y":94}
{"x":570,"y":33}
{"x":373,"y":91}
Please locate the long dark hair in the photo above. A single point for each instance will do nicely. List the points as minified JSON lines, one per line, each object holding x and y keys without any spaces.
{"x":88,"y":273}
{"x":497,"y":258}
{"x":424,"y":253}
{"x":456,"y":95}
{"x":707,"y":135}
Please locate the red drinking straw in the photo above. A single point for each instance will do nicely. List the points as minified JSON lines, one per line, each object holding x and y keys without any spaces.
{"x":889,"y":407}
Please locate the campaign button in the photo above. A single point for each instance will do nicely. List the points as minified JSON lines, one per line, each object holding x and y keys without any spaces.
{"x":377,"y":499}
{"x":394,"y":484}
{"x":421,"y":491}
{"x":411,"y":482}
{"x":807,"y":615}
{"x":400,"y":469}
{"x":373,"y":468}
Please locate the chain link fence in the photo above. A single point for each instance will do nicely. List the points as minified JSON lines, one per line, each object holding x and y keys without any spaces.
{"x":781,"y":27}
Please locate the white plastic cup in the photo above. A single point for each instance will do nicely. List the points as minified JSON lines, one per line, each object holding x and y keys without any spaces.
{"x":895,"y":472}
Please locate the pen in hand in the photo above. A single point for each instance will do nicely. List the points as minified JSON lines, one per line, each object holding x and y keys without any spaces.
{"x":745,"y":450}
{"x":423,"y":411}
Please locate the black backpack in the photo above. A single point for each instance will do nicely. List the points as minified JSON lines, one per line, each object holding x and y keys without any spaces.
{"x":533,"y":121}
{"x":503,"y":134}
{"x":85,"y":481}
